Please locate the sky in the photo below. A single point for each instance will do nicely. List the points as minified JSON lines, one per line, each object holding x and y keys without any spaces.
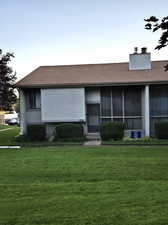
{"x":61,"y":32}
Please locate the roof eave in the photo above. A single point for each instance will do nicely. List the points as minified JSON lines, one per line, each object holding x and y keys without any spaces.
{"x":90,"y":84}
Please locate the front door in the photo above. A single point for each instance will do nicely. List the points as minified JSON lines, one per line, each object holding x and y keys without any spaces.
{"x":93,"y":117}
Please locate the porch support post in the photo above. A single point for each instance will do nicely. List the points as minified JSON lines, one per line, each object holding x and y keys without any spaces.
{"x":147,"y":113}
{"x":23,"y":124}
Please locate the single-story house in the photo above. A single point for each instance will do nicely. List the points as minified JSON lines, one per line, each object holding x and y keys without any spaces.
{"x":135,"y":93}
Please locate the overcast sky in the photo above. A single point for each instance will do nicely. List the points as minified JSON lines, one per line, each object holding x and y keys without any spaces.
{"x":54,"y":32}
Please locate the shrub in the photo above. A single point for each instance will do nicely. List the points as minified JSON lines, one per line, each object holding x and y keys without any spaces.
{"x":36,"y":132}
{"x":69,"y":131}
{"x":112,"y":130}
{"x":22,"y":138}
{"x":161,"y":130}
{"x":105,"y":131}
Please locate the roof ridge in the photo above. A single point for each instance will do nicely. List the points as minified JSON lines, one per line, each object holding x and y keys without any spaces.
{"x":93,"y":64}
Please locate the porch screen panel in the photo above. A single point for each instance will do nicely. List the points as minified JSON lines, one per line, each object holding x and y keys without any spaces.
{"x":132,"y":101}
{"x":133,"y":123}
{"x":122,"y":104}
{"x":117,"y":101}
{"x":106,"y":102}
{"x":159,"y":101}
{"x":158,"y":105}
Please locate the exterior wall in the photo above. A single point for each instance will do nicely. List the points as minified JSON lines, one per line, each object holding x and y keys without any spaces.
{"x":69,"y":105}
{"x":63,"y":105}
{"x":140,"y":61}
{"x":92,"y":95}
{"x":34,"y":116}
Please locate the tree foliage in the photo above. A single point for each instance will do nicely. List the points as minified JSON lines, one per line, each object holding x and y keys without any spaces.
{"x":7,"y":80}
{"x":156,"y":24}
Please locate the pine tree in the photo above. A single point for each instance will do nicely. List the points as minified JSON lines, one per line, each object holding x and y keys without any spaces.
{"x":7,"y":80}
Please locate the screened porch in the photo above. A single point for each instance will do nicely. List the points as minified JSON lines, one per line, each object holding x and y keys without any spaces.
{"x":122,"y":104}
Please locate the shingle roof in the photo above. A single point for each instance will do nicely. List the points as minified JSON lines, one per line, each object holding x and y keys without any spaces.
{"x":93,"y":74}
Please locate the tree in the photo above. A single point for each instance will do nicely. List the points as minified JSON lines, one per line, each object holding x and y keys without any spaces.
{"x":156,"y":24}
{"x":7,"y":80}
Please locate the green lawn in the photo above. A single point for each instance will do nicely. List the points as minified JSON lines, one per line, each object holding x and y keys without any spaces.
{"x":2,"y":127}
{"x":7,"y":137}
{"x":152,"y":141}
{"x":84,"y":186}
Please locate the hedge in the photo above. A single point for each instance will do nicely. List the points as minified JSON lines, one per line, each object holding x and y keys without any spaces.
{"x":161,"y":130}
{"x":112,"y":130}
{"x":69,"y":131}
{"x":36,"y":132}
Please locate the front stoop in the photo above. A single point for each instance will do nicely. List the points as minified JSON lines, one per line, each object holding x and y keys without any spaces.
{"x":93,"y":139}
{"x":92,"y":143}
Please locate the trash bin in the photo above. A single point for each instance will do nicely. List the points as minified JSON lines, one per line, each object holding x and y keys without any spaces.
{"x":135,"y":134}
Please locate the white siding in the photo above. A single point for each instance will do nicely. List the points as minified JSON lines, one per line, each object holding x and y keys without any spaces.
{"x":147,"y":113}
{"x":140,"y":61}
{"x":23,"y":122}
{"x":63,"y":105}
{"x":34,"y":116}
{"x":93,"y":95}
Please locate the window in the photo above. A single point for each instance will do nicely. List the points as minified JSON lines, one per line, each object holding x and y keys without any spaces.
{"x":34,"y":99}
{"x":122,"y":104}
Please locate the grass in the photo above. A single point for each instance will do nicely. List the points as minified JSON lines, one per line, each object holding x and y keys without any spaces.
{"x":2,"y":127}
{"x":7,"y":137}
{"x":84,"y":186}
{"x":151,"y":141}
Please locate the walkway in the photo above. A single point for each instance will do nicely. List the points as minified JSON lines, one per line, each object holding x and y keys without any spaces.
{"x":92,"y":143}
{"x":6,"y":129}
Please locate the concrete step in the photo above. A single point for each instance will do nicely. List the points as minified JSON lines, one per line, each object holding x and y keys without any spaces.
{"x":93,"y":136}
{"x":92,"y":143}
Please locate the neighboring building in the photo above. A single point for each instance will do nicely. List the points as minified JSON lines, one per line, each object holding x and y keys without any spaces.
{"x":135,"y":93}
{"x":2,"y":120}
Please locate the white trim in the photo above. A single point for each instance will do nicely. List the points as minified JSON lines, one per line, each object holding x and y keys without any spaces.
{"x":147,"y":114}
{"x":111,"y":96}
{"x":23,"y":120}
{"x":123,"y":106}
